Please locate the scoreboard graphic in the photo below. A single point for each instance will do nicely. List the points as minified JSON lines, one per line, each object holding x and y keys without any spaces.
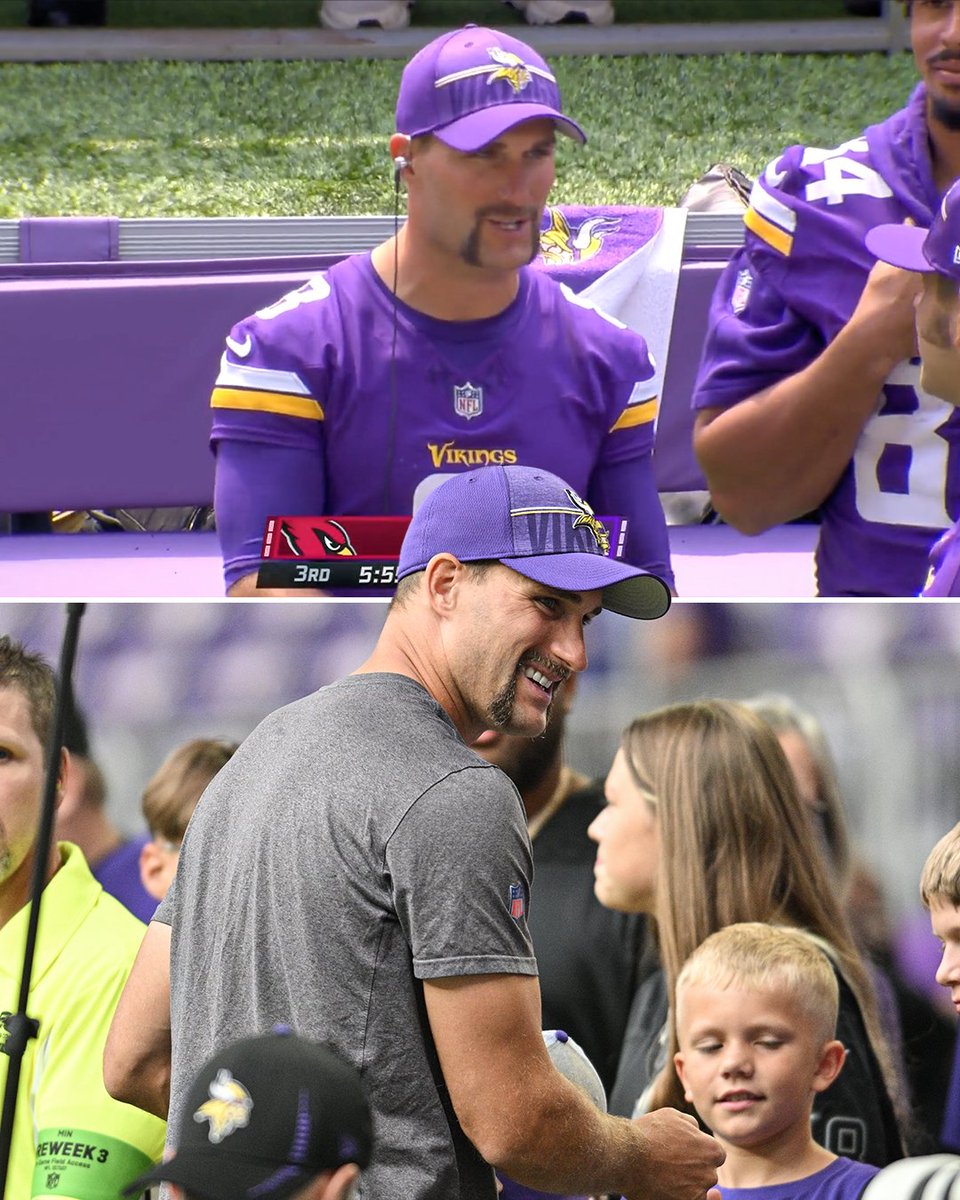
{"x":331,"y":552}
{"x":349,"y":553}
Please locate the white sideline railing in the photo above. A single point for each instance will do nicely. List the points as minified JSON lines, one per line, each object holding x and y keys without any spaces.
{"x":157,"y":239}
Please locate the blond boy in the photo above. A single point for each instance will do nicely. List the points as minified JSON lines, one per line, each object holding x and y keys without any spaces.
{"x":756,"y":1011}
{"x":940,"y":893}
{"x":168,"y":803}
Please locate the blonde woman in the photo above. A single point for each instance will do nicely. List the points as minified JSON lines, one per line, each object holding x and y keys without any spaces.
{"x":703,"y":829}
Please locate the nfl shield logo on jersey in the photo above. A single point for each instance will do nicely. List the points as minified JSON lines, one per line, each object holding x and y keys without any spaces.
{"x":741,"y":291}
{"x":518,"y":906}
{"x":468,"y":401}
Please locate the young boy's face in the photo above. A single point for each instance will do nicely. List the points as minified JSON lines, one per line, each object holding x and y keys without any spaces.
{"x":945,"y":923}
{"x":750,"y":1062}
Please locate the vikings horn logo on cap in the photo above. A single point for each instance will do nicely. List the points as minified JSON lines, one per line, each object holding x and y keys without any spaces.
{"x":581,"y":510}
{"x":505,"y":65}
{"x":228,"y":1108}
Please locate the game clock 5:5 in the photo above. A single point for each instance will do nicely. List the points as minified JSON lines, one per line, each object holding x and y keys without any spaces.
{"x":377,"y":574}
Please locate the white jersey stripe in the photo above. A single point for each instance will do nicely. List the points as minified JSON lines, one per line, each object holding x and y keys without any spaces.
{"x":776,"y":213}
{"x":263,"y":379}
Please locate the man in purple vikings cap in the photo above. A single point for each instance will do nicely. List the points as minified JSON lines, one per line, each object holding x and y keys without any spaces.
{"x":809,"y":394}
{"x":443,"y":349}
{"x":359,"y":873}
{"x":935,"y":255}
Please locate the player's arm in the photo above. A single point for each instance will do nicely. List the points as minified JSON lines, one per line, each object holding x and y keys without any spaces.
{"x":136,"y":1059}
{"x":268,"y":430}
{"x":780,"y":450}
{"x":253,"y":482}
{"x":623,"y":481}
{"x":526,"y":1119}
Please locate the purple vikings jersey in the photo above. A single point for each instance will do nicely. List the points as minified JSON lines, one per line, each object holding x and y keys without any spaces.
{"x":788,"y":293}
{"x":342,"y":402}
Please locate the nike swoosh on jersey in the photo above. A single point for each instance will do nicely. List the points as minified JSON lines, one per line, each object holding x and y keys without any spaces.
{"x":241,"y":349}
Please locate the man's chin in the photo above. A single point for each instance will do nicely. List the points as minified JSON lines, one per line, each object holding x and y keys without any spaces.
{"x":946,"y":111}
{"x":529,"y":724}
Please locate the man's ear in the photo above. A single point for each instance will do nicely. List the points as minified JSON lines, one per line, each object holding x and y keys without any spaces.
{"x":441,"y":578}
{"x":830,"y":1064}
{"x":62,"y":773}
{"x":401,"y":147}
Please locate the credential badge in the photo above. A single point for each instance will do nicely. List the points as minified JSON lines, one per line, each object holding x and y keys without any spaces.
{"x":468,"y":401}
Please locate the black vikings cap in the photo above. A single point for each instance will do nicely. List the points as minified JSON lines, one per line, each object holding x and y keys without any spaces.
{"x":262,"y":1118}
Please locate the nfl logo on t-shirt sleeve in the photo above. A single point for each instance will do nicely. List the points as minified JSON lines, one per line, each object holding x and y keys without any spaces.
{"x":516,"y":901}
{"x":468,"y":401}
{"x":741,"y":291}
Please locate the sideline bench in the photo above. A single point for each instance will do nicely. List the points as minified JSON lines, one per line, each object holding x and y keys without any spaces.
{"x":112,"y":332}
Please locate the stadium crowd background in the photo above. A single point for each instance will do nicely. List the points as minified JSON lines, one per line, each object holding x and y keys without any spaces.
{"x":881,"y":677}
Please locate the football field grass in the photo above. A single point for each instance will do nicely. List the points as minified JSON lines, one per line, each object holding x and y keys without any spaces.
{"x":310,"y":138}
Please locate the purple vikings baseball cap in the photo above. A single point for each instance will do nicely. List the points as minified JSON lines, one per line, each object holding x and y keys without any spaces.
{"x":471,"y":85}
{"x":936,"y":249}
{"x":536,"y":524}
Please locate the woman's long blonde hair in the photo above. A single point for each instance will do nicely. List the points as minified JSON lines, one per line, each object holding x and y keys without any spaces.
{"x":735,"y":845}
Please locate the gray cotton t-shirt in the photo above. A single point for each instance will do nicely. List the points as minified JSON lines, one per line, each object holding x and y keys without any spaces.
{"x":353,"y":846}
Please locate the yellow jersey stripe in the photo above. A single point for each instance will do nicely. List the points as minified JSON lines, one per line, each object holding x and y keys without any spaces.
{"x":271,"y":402}
{"x":773,"y":209}
{"x":637,"y":414}
{"x":770,"y":233}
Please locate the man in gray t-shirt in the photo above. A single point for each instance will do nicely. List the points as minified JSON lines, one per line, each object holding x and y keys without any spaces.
{"x":359,"y":873}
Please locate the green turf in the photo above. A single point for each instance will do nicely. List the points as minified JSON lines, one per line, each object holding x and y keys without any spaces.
{"x":274,"y":138}
{"x":298,"y":13}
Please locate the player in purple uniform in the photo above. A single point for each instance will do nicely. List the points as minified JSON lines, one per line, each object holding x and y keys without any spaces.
{"x":808,"y":393}
{"x":935,"y":254}
{"x":441,"y":350}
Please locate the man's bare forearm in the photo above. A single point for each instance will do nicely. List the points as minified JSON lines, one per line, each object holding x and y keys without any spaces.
{"x":136,"y":1058}
{"x":778,"y":454}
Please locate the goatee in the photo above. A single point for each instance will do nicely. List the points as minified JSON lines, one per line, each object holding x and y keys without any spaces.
{"x":946,"y":113}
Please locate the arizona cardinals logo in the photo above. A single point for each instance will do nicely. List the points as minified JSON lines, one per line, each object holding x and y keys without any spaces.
{"x":332,"y":539}
{"x":560,"y":244}
{"x":228,"y":1108}
{"x":597,"y":528}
